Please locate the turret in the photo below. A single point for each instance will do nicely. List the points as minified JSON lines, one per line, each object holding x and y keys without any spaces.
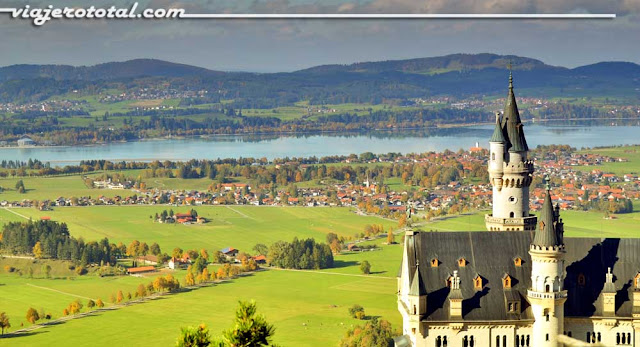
{"x":546,"y":294}
{"x":496,"y":153}
{"x":510,"y":171}
{"x":417,"y":294}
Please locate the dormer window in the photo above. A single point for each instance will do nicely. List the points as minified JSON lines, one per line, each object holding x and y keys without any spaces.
{"x":435,"y":262}
{"x":462,"y":262}
{"x":506,"y":281}
{"x":517,"y":261}
{"x":477,"y":282}
{"x":636,"y":281}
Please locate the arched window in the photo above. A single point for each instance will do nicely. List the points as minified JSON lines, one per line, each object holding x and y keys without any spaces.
{"x":547,"y":337}
{"x":497,"y":340}
{"x":444,"y":341}
{"x":504,"y":340}
{"x":589,"y":337}
{"x":629,"y":338}
{"x":415,"y":311}
{"x":624,"y":338}
{"x":600,"y":337}
{"x":517,"y":341}
{"x":511,"y":214}
{"x":528,"y":336}
{"x":617,"y":338}
{"x":546,"y":288}
{"x":471,"y":342}
{"x":465,"y":341}
{"x":438,"y":341}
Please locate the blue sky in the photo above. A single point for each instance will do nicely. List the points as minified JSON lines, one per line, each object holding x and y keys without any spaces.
{"x":280,"y":45}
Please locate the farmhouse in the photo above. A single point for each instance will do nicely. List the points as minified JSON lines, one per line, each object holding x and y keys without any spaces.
{"x":141,"y":270}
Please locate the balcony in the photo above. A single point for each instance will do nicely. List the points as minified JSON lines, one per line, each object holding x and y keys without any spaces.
{"x":526,"y":221}
{"x":541,"y":295}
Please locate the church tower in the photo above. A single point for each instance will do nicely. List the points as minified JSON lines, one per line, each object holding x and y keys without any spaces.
{"x":546,"y":294}
{"x":510,"y":172}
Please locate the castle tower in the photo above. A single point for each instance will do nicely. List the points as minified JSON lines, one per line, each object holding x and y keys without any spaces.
{"x":546,"y":294}
{"x":510,"y":172}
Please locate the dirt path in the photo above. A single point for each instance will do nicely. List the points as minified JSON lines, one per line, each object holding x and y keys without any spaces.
{"x":16,"y":213}
{"x":59,"y":291}
{"x":238,"y":212}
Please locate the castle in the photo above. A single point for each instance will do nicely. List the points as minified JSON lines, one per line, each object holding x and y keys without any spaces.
{"x":521,"y":283}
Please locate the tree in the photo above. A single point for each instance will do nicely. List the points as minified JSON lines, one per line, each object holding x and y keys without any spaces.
{"x":65,"y":312}
{"x":204,"y":254}
{"x":357,"y":311}
{"x":141,"y":292}
{"x":365,"y":267}
{"x":4,"y":322}
{"x":32,"y":315}
{"x":119,"y":297}
{"x":376,"y":333}
{"x":155,"y":249}
{"x":37,"y":250}
{"x":261,"y":249}
{"x":134,"y":248}
{"x":46,"y":270}
{"x":177,"y":252}
{"x":194,"y":337}
{"x":91,"y":304}
{"x":390,"y":237}
{"x":249,"y":329}
{"x":99,"y":303}
{"x":189,"y":280}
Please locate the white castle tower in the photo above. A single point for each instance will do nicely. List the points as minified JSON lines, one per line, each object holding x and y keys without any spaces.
{"x":547,"y":295}
{"x":510,"y":172}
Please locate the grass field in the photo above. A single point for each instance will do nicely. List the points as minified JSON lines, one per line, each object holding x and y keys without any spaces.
{"x":308,"y":309}
{"x":41,"y":188}
{"x":576,"y":224}
{"x":229,"y":226}
{"x":631,"y":153}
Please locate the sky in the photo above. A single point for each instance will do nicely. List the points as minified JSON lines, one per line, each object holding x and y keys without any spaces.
{"x":288,"y":45}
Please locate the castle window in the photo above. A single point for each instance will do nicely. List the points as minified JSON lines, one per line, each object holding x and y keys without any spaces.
{"x":582,"y":281}
{"x":589,"y":337}
{"x":636,"y":280}
{"x":497,"y":340}
{"x":511,"y":214}
{"x":434,"y":262}
{"x":462,"y":262}
{"x":493,"y":156}
{"x":438,"y":341}
{"x":415,"y":311}
{"x":504,"y":340}
{"x":600,"y":338}
{"x":547,"y":337}
{"x":517,"y":261}
{"x":513,"y":199}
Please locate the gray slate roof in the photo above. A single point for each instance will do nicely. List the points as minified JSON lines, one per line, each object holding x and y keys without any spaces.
{"x":512,"y":124}
{"x":490,"y":255}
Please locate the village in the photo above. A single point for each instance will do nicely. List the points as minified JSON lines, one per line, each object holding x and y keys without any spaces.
{"x":577,"y":189}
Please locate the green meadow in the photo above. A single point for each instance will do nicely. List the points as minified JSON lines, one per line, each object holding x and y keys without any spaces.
{"x":240,"y":227}
{"x":307,"y":308}
{"x":576,"y":223}
{"x":630,"y":153}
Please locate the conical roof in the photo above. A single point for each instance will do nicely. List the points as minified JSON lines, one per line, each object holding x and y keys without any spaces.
{"x":417,"y":287}
{"x":498,"y":136}
{"x":546,"y":234}
{"x":512,"y":124}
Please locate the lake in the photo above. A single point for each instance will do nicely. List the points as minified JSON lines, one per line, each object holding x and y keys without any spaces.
{"x":577,"y":134}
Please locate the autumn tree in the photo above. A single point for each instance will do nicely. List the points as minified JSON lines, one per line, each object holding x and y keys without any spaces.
{"x":141,"y":292}
{"x":4,"y":322}
{"x":32,"y":315}
{"x":390,"y":237}
{"x":99,"y":303}
{"x":37,"y":250}
{"x":119,"y":296}
{"x":133,"y":249}
{"x":65,"y":312}
{"x":375,"y":333}
{"x":189,"y":280}
{"x":204,"y":254}
{"x":91,"y":304}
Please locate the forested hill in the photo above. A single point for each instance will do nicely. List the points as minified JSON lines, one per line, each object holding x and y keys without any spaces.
{"x":457,"y":75}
